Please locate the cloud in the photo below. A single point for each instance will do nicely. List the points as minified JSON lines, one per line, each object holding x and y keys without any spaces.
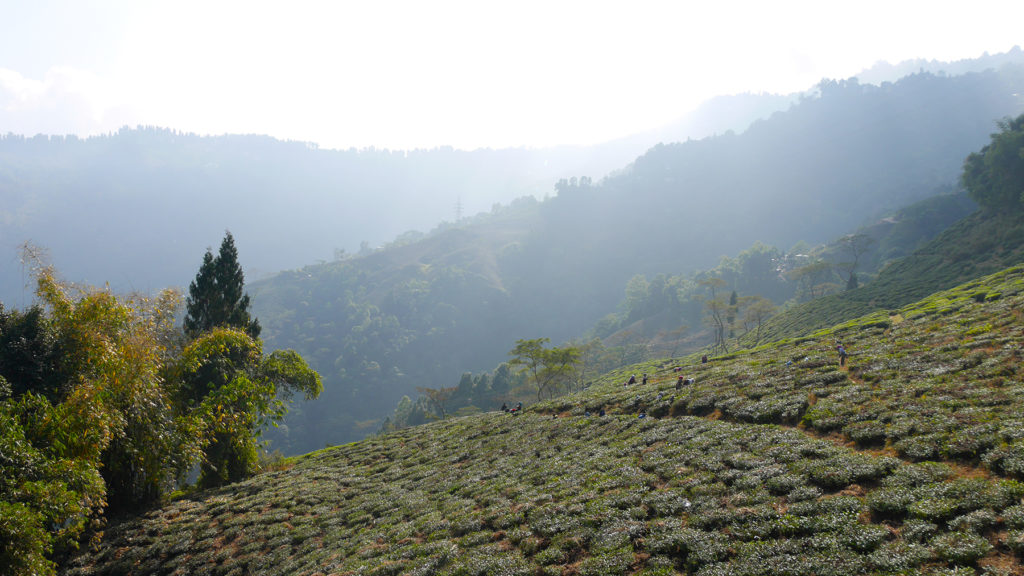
{"x":65,"y":101}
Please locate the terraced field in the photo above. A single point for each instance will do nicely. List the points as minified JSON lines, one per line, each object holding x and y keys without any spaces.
{"x":908,"y":460}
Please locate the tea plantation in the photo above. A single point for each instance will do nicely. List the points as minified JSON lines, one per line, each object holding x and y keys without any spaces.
{"x":909,"y":460}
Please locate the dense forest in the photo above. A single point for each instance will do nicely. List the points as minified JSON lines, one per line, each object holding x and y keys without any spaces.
{"x":420,"y":313}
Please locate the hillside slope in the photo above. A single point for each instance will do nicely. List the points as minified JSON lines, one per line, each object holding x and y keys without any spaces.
{"x":775,"y":461}
{"x":980,"y":244}
{"x":819,"y":170}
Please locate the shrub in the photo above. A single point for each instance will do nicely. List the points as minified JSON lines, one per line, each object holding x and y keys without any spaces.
{"x":898,"y":556}
{"x":977,"y":521}
{"x":1015,"y":541}
{"x":915,"y":530}
{"x":961,"y":548}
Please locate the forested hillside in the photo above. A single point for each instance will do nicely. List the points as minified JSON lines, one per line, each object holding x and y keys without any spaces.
{"x":654,"y":308}
{"x":833,"y":162}
{"x":290,"y":204}
{"x":987,"y":241}
{"x":779,"y":461}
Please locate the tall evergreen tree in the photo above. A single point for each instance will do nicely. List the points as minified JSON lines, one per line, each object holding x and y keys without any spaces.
{"x":216,"y":297}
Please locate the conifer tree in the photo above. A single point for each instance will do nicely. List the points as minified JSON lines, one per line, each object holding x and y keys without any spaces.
{"x":216,"y":297}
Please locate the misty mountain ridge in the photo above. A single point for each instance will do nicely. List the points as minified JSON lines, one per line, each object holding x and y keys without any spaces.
{"x":287,"y":203}
{"x":421,"y":313}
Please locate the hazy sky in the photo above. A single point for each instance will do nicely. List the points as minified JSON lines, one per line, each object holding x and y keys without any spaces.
{"x":424,"y":73}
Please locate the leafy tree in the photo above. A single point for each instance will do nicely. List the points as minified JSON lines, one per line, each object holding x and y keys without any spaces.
{"x":730,"y":314}
{"x":637,"y":293}
{"x":502,"y":382}
{"x":31,"y":356}
{"x":464,"y":391}
{"x":588,"y":362}
{"x":994,"y":177}
{"x":547,"y":367}
{"x":48,"y":498}
{"x":758,"y":273}
{"x":855,"y":246}
{"x":438,"y":398}
{"x":232,"y":391}
{"x":105,"y":437}
{"x":216,"y":297}
{"x":107,"y":411}
{"x":717,"y":309}
{"x":757,"y":310}
{"x":482,"y":389}
{"x":813,"y":279}
{"x":114,"y":352}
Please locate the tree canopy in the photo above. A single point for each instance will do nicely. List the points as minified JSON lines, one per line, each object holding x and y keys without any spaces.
{"x":548,"y":367}
{"x":104,"y":408}
{"x":216,"y":297}
{"x":994,"y":176}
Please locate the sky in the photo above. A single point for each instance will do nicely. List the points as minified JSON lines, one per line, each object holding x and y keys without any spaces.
{"x":404,"y":74}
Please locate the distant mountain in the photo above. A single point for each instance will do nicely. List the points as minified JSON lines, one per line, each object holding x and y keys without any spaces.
{"x":883,"y":72}
{"x":137,"y":208}
{"x":424,"y":311}
{"x":288,"y":204}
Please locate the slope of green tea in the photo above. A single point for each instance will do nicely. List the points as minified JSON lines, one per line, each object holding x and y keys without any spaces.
{"x":774,"y":461}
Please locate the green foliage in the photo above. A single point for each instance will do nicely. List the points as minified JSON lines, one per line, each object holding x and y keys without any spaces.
{"x":101,"y":411}
{"x":216,"y":297}
{"x":757,"y":488}
{"x":549,"y":368}
{"x":225,"y":385}
{"x":994,"y":175}
{"x":47,"y":500}
{"x":977,"y":245}
{"x":31,"y":354}
{"x":110,"y":416}
{"x":422,"y":313}
{"x":231,"y":392}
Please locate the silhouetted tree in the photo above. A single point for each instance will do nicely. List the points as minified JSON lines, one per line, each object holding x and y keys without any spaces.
{"x":758,"y":309}
{"x":855,"y":245}
{"x":716,"y":308}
